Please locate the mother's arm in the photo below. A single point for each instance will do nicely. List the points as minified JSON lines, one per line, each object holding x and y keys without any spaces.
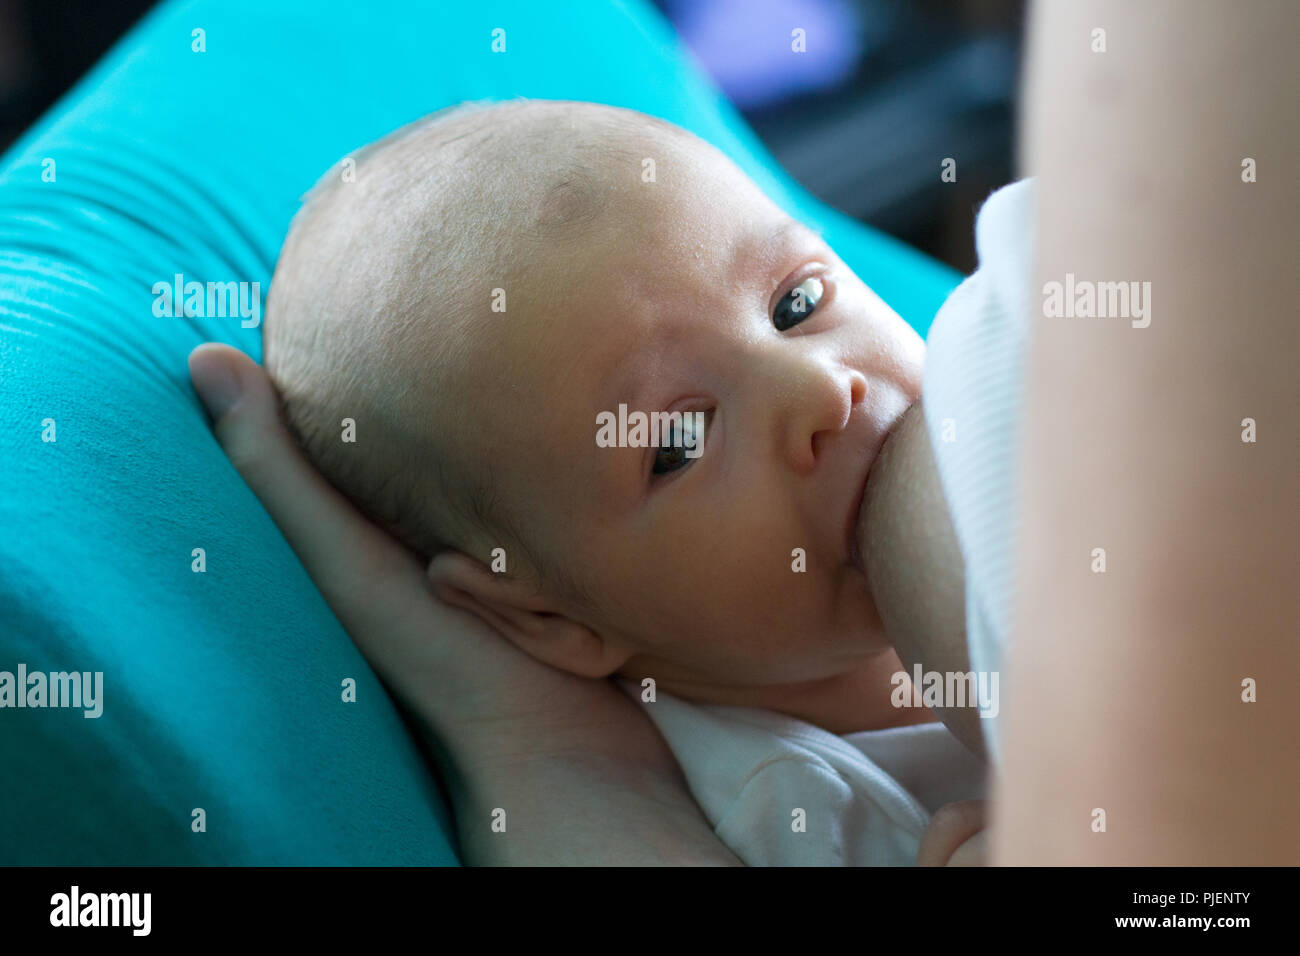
{"x":581,"y":772}
{"x":1129,"y":683}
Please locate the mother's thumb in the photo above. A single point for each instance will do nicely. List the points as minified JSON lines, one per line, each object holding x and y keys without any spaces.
{"x":215,"y":371}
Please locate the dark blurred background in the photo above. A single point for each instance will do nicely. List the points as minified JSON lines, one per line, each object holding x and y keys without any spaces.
{"x":886,"y":90}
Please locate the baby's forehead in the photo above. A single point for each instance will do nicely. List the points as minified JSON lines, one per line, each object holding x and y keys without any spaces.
{"x":575,"y":229}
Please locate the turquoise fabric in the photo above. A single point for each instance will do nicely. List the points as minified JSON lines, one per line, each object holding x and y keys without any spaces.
{"x":222,"y":690}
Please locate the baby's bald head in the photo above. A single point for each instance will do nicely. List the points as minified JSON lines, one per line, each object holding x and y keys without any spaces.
{"x":383,"y":308}
{"x":497,"y":282}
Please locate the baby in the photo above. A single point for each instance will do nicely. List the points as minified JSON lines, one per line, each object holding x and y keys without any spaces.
{"x":455,"y":311}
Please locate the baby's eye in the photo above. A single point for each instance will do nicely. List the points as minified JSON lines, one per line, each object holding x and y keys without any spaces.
{"x":797,"y":304}
{"x":683,"y":446}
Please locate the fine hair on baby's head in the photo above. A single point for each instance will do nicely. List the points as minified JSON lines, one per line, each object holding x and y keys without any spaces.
{"x":382,"y":285}
{"x":473,"y":293}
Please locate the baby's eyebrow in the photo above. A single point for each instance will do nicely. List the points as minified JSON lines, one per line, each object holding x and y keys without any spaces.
{"x":790,"y":228}
{"x":785,"y":235}
{"x":795,"y":225}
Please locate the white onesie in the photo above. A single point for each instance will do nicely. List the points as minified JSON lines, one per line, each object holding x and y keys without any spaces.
{"x":780,"y":791}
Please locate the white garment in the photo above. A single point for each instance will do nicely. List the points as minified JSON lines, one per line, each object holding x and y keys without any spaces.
{"x":868,"y":797}
{"x":973,"y":387}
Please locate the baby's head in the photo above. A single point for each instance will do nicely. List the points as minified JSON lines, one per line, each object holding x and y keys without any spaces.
{"x":479,"y":287}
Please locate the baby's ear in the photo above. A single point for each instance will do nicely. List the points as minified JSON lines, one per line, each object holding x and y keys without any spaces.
{"x":533,"y":621}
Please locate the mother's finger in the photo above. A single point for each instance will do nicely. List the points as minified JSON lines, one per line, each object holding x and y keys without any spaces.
{"x":367,"y":577}
{"x":953,"y":825}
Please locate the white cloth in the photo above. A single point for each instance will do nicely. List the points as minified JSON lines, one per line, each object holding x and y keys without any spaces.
{"x":867,"y":797}
{"x":973,"y":388}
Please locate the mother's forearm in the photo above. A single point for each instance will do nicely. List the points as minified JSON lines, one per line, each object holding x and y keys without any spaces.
{"x":1159,"y":545}
{"x":559,"y":798}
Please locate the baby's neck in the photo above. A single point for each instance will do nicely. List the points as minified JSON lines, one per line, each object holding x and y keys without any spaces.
{"x":854,"y":701}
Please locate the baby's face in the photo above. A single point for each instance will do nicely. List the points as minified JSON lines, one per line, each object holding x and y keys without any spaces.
{"x":733,"y":567}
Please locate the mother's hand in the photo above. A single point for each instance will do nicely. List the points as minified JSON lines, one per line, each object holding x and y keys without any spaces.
{"x":582,"y":773}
